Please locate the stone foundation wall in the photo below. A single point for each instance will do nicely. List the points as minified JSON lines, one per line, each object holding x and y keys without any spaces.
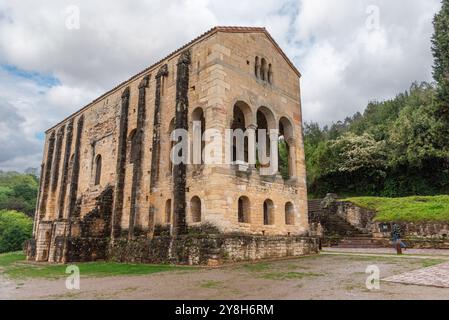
{"x":196,"y":250}
{"x":363,"y":220}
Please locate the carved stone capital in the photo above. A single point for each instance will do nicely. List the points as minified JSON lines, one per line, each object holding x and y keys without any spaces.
{"x":290,"y":141}
{"x":252,"y":126}
{"x":185,"y":57}
{"x":163,"y":71}
{"x":125,"y":93}
{"x":145,"y":82}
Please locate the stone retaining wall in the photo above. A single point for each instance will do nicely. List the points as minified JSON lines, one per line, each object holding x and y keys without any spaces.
{"x":192,"y":250}
{"x":363,"y":220}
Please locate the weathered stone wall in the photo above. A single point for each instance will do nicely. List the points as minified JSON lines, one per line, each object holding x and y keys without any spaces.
{"x":210,"y":249}
{"x":218,"y":73}
{"x":363,"y":220}
{"x":358,"y":217}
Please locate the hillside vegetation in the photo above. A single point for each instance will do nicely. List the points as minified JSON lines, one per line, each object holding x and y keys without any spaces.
{"x":18,"y":192}
{"x":407,"y":209}
{"x":396,"y":148}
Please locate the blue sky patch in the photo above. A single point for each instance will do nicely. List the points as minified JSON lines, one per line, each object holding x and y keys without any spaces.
{"x":45,"y":80}
{"x":40,"y":136}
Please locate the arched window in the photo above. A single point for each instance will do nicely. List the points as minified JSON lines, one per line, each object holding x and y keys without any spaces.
{"x":256,"y":67}
{"x":263,"y":69}
{"x":244,"y":210}
{"x":268,"y":212}
{"x":265,"y":121}
{"x":168,"y":211}
{"x":270,"y":74}
{"x":289,"y":214}
{"x":195,"y":209}
{"x":286,"y":163}
{"x":242,"y":116}
{"x":198,"y":119}
{"x":98,"y":170}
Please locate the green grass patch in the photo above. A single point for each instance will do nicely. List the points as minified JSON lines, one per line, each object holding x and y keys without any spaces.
{"x":407,"y":209}
{"x":290,"y":275}
{"x":7,"y":259}
{"x":14,"y":266}
{"x":431,"y":262}
{"x":211,"y":284}
{"x":257,"y":267}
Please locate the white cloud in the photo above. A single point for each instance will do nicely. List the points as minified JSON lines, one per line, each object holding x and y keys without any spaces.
{"x":343,"y":63}
{"x":372,"y":63}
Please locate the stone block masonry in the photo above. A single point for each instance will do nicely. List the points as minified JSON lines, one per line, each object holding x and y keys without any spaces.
{"x":110,"y":191}
{"x":210,"y":249}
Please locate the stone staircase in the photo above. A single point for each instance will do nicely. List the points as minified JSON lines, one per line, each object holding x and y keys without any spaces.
{"x":332,"y":223}
{"x":344,"y":234}
{"x":362,"y":241}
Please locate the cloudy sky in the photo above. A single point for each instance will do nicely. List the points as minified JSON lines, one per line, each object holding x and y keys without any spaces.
{"x":348,"y":51}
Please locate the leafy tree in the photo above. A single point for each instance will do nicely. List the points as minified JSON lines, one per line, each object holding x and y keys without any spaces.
{"x":358,"y":153}
{"x":440,"y":50}
{"x":18,"y":192}
{"x":397,"y":147}
{"x":15,"y":229}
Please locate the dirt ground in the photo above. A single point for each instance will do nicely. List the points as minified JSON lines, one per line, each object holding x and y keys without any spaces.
{"x":330,"y":275}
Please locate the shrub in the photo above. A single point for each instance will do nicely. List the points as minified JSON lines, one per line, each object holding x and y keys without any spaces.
{"x":15,"y":229}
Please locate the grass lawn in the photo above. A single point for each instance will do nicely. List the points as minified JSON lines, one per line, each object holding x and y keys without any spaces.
{"x":408,"y":209}
{"x":14,"y":266}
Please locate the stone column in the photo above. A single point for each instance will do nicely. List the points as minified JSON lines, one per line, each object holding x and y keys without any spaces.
{"x":179,"y":170}
{"x":47,"y":175}
{"x":120,"y":167}
{"x":65,"y":169}
{"x":138,"y":150}
{"x":291,"y":157}
{"x":36,"y":212}
{"x":76,"y":167}
{"x":57,"y":159}
{"x":156,"y":147}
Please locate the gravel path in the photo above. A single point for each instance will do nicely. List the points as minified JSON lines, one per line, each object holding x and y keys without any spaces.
{"x":317,"y":277}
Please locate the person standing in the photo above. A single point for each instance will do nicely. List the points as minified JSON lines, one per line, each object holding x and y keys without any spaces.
{"x":396,"y":237}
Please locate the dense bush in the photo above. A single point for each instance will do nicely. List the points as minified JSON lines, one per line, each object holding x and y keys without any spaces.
{"x":18,"y":192}
{"x":15,"y":229}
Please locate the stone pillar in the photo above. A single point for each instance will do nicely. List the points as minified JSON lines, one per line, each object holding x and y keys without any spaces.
{"x":36,"y":212}
{"x":252,"y":148}
{"x":57,"y":159}
{"x":120,"y":167}
{"x":291,"y":157}
{"x":179,"y":170}
{"x":47,"y":175}
{"x":76,"y":167}
{"x":138,"y":150}
{"x":156,"y":147}
{"x":65,"y":169}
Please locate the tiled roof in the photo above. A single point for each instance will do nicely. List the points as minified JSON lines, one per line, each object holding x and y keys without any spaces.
{"x":229,"y":29}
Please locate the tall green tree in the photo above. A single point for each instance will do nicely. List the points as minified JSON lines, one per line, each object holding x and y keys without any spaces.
{"x":440,"y":50}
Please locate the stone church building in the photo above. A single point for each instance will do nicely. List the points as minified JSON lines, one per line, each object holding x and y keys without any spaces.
{"x":107,"y":180}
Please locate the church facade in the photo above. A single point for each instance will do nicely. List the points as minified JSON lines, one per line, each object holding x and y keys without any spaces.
{"x":107,"y":174}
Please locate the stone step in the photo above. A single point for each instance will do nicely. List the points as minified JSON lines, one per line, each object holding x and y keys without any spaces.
{"x":362,"y":242}
{"x":372,"y":245}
